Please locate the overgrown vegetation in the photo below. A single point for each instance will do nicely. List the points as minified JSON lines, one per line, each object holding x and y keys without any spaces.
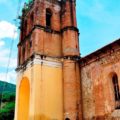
{"x":8,"y":101}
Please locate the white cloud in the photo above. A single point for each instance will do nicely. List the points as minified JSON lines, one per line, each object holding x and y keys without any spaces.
{"x":7,"y":30}
{"x":2,"y":43}
{"x":4,"y":57}
{"x":10,"y":77}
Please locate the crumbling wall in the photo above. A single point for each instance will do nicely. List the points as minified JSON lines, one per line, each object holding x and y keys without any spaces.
{"x":97,"y":88}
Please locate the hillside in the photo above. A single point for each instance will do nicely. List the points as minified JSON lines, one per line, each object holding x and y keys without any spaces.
{"x":8,"y":101}
{"x":8,"y":87}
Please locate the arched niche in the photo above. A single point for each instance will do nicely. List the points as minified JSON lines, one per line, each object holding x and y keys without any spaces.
{"x":23,"y":99}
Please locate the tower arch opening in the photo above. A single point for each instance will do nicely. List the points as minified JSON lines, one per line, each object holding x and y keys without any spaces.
{"x":48,"y":17}
{"x":24,"y":99}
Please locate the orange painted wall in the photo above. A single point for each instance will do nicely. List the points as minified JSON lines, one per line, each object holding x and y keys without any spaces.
{"x":23,"y":97}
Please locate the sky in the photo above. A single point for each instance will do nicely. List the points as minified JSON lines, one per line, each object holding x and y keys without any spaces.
{"x":98,"y":22}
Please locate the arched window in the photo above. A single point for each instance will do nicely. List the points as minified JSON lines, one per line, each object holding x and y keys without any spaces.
{"x":116,"y":90}
{"x":48,"y":18}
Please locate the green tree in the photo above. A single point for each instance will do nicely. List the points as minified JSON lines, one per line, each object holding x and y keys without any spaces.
{"x":7,"y":111}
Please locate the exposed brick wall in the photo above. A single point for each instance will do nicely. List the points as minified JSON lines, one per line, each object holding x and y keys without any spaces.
{"x":60,"y":40}
{"x":70,"y":90}
{"x":72,"y":93}
{"x":62,"y":37}
{"x":70,"y":43}
{"x":97,"y":87}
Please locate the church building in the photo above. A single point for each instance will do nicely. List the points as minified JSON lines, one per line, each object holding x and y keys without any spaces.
{"x":53,"y":81}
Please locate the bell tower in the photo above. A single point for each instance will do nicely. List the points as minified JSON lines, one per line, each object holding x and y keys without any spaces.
{"x":48,"y":75}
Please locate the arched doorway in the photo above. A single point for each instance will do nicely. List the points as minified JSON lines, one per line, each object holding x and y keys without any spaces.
{"x":23,"y":99}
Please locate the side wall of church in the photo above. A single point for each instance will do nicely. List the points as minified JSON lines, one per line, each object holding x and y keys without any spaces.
{"x":97,"y":88}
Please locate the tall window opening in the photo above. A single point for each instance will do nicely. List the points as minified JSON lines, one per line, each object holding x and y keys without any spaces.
{"x":25,"y":28}
{"x":19,"y":56}
{"x":23,"y":54}
{"x":21,"y":28}
{"x":32,"y":20}
{"x":116,"y":91}
{"x":48,"y":18}
{"x":29,"y":47}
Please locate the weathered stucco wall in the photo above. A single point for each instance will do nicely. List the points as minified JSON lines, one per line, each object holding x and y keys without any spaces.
{"x":46,"y":91}
{"x":97,"y":87}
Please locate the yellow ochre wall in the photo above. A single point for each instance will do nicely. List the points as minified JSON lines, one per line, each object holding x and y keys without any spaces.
{"x":24,"y":96}
{"x":46,"y":92}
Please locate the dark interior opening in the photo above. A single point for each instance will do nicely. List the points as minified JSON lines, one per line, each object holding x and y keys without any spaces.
{"x":25,"y":28}
{"x":116,"y":91}
{"x":23,"y":54}
{"x":48,"y":18}
{"x":67,"y":119}
{"x":32,"y":20}
{"x":19,"y":57}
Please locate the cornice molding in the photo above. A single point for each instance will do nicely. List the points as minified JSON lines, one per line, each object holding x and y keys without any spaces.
{"x":46,"y":29}
{"x":37,"y":60}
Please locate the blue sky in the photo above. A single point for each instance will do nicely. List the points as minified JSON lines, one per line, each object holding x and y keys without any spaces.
{"x":98,"y":22}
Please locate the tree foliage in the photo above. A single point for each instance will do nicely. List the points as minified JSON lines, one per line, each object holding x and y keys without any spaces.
{"x":7,"y":112}
{"x":8,"y":101}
